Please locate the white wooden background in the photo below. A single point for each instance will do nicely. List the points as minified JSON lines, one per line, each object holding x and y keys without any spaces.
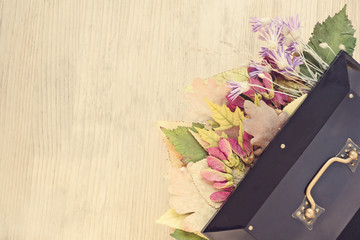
{"x":82,"y":83}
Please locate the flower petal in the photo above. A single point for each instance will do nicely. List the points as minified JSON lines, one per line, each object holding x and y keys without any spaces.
{"x":235,"y":146}
{"x":225,"y":147}
{"x":280,"y":99}
{"x":267,"y":80}
{"x":215,"y":151}
{"x":213,"y":175}
{"x":246,"y":143}
{"x":230,"y":189}
{"x":237,"y":102}
{"x":222,"y":185}
{"x":217,"y":164}
{"x":257,"y":82}
{"x":219,"y":196}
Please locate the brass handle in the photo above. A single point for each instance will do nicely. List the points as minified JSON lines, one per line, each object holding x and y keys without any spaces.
{"x":310,"y":212}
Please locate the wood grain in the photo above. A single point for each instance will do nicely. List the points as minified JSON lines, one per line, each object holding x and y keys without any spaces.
{"x":82,"y":84}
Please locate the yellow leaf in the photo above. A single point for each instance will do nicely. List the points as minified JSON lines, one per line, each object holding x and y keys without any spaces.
{"x":224,"y":117}
{"x":199,"y":139}
{"x":224,"y":135}
{"x":172,"y":219}
{"x":201,"y":235}
{"x":241,"y":135}
{"x":239,"y":115}
{"x":294,"y":105}
{"x":257,"y":99}
{"x":209,"y":136}
{"x":241,"y":129}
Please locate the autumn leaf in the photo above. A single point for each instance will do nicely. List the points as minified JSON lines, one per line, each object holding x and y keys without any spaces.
{"x":186,"y":199}
{"x":257,"y":99}
{"x":198,"y":138}
{"x":210,"y":136}
{"x":241,"y":134}
{"x":204,"y":187}
{"x":172,"y":219}
{"x":263,"y":123}
{"x":185,"y":144}
{"x":196,"y":125}
{"x":291,"y":108}
{"x":201,"y":89}
{"x":236,"y":74}
{"x":182,"y":235}
{"x":214,"y":89}
{"x":224,"y":117}
{"x":175,"y":156}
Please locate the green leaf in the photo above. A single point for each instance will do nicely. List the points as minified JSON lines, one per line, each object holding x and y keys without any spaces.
{"x":182,"y":235}
{"x":185,"y":144}
{"x":196,"y":125}
{"x":213,"y":124}
{"x":334,"y":31}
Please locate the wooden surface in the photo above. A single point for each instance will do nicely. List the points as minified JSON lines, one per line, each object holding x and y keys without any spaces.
{"x":82,"y":83}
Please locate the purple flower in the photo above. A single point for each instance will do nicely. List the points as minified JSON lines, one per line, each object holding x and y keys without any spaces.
{"x":264,"y":52}
{"x":259,"y":23}
{"x":272,"y":35}
{"x":284,"y":61}
{"x":257,"y":68}
{"x":291,"y":30}
{"x":237,"y":88}
{"x":293,"y":24}
{"x":279,"y":22}
{"x":295,"y":47}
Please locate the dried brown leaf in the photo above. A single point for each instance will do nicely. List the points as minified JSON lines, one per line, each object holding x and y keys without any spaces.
{"x":262,"y":123}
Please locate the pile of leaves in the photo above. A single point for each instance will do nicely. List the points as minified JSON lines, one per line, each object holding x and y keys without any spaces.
{"x":237,"y":115}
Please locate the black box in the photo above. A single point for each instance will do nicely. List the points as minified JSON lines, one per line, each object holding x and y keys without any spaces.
{"x":267,"y":204}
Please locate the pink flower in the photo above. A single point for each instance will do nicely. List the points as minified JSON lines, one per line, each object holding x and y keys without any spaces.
{"x":264,"y":86}
{"x":245,"y":150}
{"x":226,"y":165}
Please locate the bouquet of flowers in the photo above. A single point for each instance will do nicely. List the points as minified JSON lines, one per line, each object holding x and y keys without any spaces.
{"x":238,"y":112}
